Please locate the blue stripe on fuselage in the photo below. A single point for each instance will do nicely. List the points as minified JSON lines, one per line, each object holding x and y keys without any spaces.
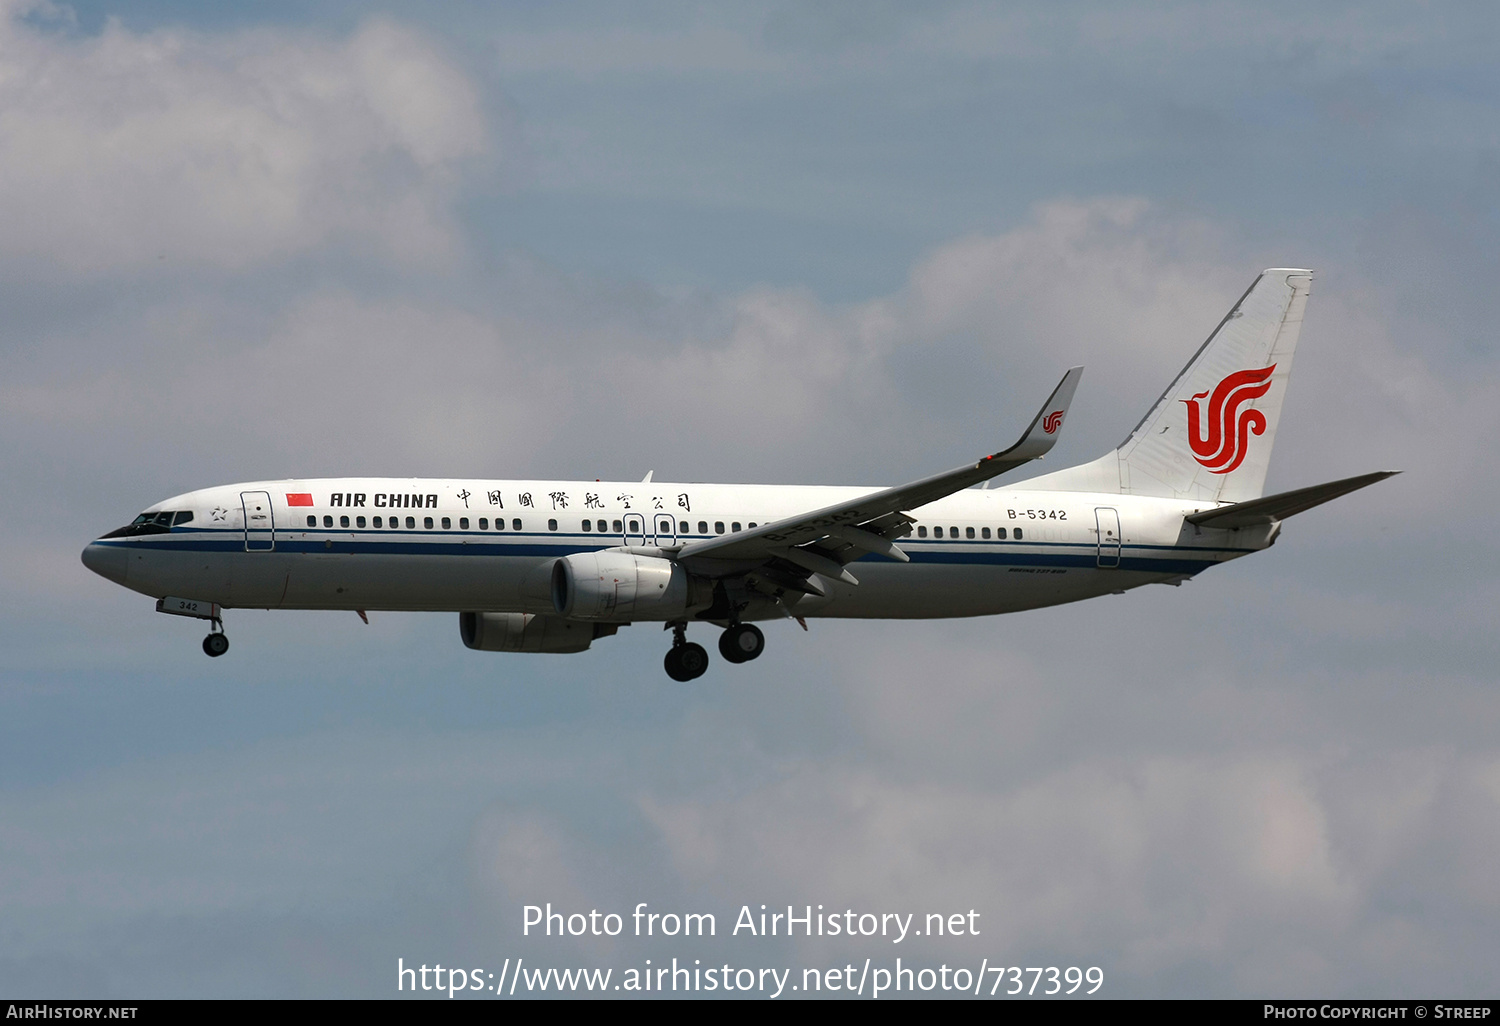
{"x":1149,"y":558}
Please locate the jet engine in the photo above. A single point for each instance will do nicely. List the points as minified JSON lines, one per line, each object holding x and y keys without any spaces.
{"x":527,"y":632}
{"x":614,"y":585}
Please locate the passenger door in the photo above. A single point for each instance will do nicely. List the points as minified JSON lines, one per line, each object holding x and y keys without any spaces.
{"x":260,"y":522}
{"x":1108,"y":520}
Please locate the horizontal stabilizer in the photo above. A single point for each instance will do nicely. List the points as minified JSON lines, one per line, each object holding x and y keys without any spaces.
{"x":1255,"y":512}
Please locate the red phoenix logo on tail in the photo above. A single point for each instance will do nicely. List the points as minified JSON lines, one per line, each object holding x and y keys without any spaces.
{"x":1053,"y":420}
{"x":1229,"y":427}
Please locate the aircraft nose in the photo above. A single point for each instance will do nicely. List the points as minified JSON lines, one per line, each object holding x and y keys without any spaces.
{"x":108,"y":561}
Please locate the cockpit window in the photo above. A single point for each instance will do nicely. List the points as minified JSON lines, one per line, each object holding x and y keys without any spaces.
{"x":152,"y":523}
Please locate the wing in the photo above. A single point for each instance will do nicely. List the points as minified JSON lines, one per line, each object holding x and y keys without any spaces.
{"x":788,"y":552}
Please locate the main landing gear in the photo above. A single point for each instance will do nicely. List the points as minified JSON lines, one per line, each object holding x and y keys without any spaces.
{"x":740,"y":643}
{"x":685,"y":660}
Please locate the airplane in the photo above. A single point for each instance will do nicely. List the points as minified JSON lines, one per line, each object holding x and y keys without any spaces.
{"x":553,"y":566}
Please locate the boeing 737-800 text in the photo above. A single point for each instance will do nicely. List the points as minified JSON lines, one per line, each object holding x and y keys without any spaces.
{"x":552,"y":566}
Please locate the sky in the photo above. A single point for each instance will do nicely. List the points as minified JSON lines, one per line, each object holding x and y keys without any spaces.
{"x":774,"y":242}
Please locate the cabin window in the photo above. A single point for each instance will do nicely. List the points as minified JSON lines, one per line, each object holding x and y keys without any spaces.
{"x":937,"y":532}
{"x":411,"y":523}
{"x":328,"y":521}
{"x":1000,"y":533}
{"x":752,"y":525}
{"x":603,"y":527}
{"x":921,"y":532}
{"x":463,"y":523}
{"x":552,"y":525}
{"x":484,"y":523}
{"x":617,"y":527}
{"x":343,"y":521}
{"x":968,"y":532}
{"x":447,"y":523}
{"x":1018,"y":534}
{"x":984,"y":532}
{"x":359,"y":521}
{"x":515,"y":525}
{"x":735,"y":526}
{"x":682,"y":527}
{"x":703,"y":527}
{"x":718,"y":527}
{"x":378,"y":522}
{"x":427,"y":523}
{"x":312,"y":521}
{"x":588,"y":525}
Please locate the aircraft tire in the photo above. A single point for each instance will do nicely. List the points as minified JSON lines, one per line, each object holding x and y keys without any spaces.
{"x":215,"y":645}
{"x":727,"y":649}
{"x":693,"y":660}
{"x":741,"y":643}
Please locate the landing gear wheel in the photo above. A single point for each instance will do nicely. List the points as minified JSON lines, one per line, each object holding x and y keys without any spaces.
{"x":693,"y":659}
{"x":741,"y":643}
{"x":215,"y":645}
{"x":686,"y":661}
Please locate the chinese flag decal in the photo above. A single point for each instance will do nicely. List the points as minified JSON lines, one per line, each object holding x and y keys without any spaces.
{"x":299,"y":498}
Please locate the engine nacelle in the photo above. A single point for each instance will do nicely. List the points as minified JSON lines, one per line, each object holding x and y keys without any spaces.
{"x":527,"y":632}
{"x":624,"y":586}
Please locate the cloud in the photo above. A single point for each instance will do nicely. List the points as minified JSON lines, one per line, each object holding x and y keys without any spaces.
{"x":1252,"y":869}
{"x":769,"y":385}
{"x":125,"y":148}
{"x":1247,"y":871}
{"x":1232,"y":788}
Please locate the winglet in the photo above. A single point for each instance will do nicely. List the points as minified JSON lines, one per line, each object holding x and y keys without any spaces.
{"x":1042,"y":433}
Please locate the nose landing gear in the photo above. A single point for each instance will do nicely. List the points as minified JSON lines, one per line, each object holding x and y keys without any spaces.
{"x":216,"y":644}
{"x":741,"y":642}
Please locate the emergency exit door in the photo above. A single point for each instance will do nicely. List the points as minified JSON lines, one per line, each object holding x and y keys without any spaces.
{"x":666,"y":529}
{"x":635,"y":529}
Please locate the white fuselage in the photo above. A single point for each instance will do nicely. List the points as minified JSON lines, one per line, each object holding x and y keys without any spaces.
{"x":484,"y":546}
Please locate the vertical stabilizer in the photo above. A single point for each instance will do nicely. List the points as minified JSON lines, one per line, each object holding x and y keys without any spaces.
{"x":1209,"y":436}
